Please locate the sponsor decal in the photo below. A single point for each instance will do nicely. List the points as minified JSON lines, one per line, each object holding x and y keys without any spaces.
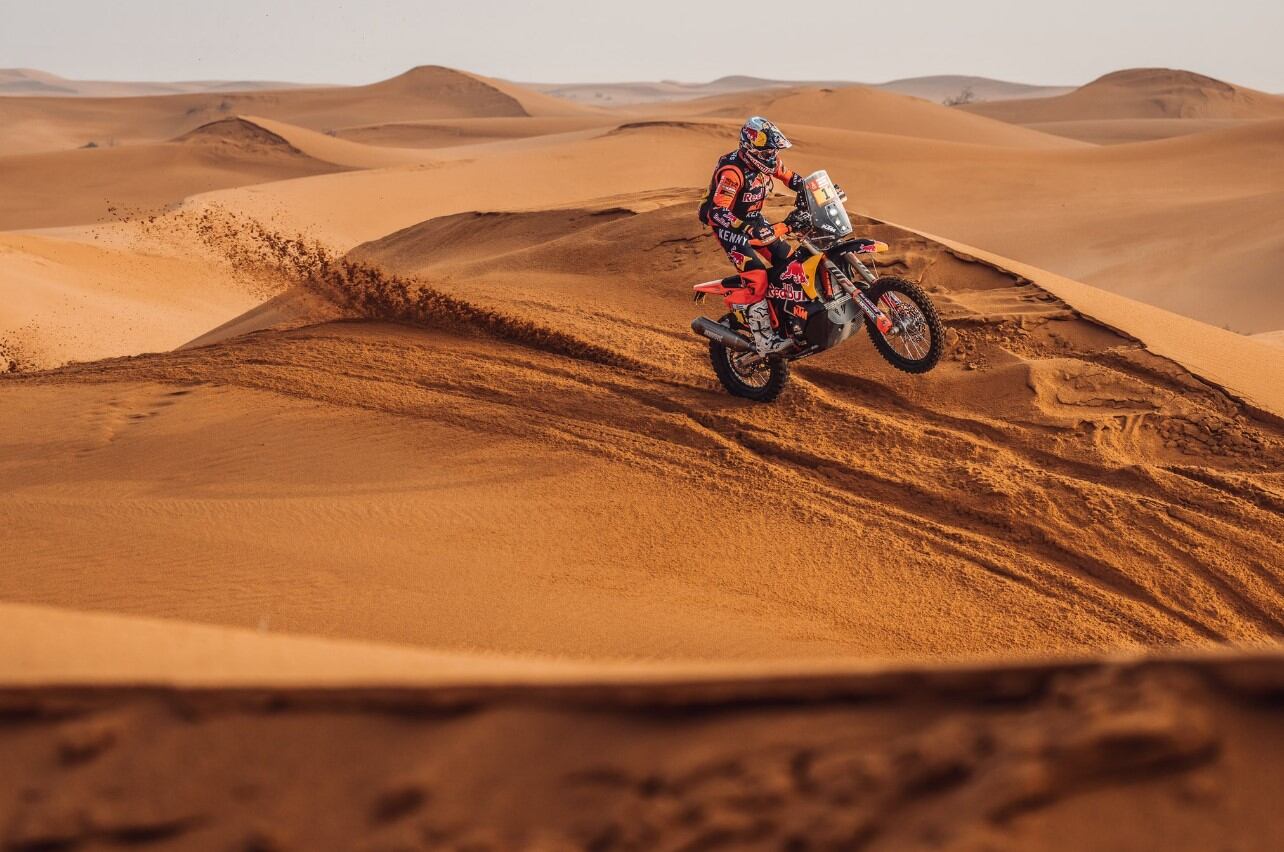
{"x":794,"y":275}
{"x":738,"y":259}
{"x":800,"y":312}
{"x":787,"y":294}
{"x":734,"y":237}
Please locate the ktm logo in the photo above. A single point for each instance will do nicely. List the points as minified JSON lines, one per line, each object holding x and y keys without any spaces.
{"x":800,"y":312}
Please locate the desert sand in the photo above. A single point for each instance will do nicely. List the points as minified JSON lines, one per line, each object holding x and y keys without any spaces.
{"x":356,"y":434}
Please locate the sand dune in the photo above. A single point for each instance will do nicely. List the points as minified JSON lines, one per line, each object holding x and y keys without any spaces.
{"x":1157,"y":93}
{"x":934,"y":88}
{"x":625,"y":441}
{"x":33,"y":83}
{"x":341,"y":152}
{"x":1205,"y":214}
{"x":430,"y":92}
{"x":469,"y":131}
{"x":1235,"y":362}
{"x":371,"y":204}
{"x":1118,"y":131}
{"x":667,"y":91}
{"x":942,"y":87}
{"x":85,"y":186}
{"x":72,"y":300}
{"x":1154,"y":222}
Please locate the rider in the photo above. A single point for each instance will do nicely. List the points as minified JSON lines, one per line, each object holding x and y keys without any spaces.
{"x":740,"y":185}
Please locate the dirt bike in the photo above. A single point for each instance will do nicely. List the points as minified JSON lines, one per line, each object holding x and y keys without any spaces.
{"x":822,"y":307}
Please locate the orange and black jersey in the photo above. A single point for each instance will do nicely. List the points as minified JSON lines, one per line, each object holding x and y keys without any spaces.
{"x":738,"y":191}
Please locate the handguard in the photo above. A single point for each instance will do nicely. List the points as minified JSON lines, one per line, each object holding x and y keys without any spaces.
{"x":798,"y":221}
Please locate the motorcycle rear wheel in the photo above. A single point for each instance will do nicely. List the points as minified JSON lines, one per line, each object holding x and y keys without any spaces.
{"x":762,"y":383}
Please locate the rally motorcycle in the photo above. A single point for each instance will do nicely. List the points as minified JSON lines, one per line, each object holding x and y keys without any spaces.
{"x":822,"y":307}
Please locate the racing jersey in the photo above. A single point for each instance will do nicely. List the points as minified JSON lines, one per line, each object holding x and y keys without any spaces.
{"x":739,"y":191}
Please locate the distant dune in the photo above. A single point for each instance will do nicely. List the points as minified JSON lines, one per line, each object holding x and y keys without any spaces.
{"x":1142,"y":93}
{"x":39,"y":124}
{"x":864,"y":109}
{"x":1119,"y":131}
{"x":82,"y":186}
{"x":937,"y":89}
{"x":32,"y":83}
{"x":942,"y":88}
{"x":643,"y":92}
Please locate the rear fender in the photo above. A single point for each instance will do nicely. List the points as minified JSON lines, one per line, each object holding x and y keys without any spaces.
{"x":715,"y":287}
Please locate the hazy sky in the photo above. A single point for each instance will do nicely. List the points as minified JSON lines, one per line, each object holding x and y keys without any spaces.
{"x":1067,"y":41}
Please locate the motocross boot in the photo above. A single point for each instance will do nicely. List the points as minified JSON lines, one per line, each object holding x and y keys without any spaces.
{"x":765,"y":339}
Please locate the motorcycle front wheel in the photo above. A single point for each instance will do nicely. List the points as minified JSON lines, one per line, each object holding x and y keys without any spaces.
{"x":916,"y":340}
{"x":760,"y":382}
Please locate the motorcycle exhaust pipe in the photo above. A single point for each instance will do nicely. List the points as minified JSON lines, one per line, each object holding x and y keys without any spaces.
{"x":719,"y":333}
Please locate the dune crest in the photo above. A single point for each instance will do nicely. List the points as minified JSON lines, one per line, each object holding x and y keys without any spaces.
{"x":239,"y":131}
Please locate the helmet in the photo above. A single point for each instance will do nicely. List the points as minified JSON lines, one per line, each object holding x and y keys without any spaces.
{"x":759,"y":142}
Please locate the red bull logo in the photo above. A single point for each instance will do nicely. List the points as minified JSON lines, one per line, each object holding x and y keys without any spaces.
{"x":794,"y":275}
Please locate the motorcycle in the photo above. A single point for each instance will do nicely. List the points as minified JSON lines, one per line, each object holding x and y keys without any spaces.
{"x":823,"y":307}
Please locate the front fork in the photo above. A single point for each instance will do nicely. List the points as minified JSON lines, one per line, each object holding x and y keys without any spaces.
{"x":876,"y":316}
